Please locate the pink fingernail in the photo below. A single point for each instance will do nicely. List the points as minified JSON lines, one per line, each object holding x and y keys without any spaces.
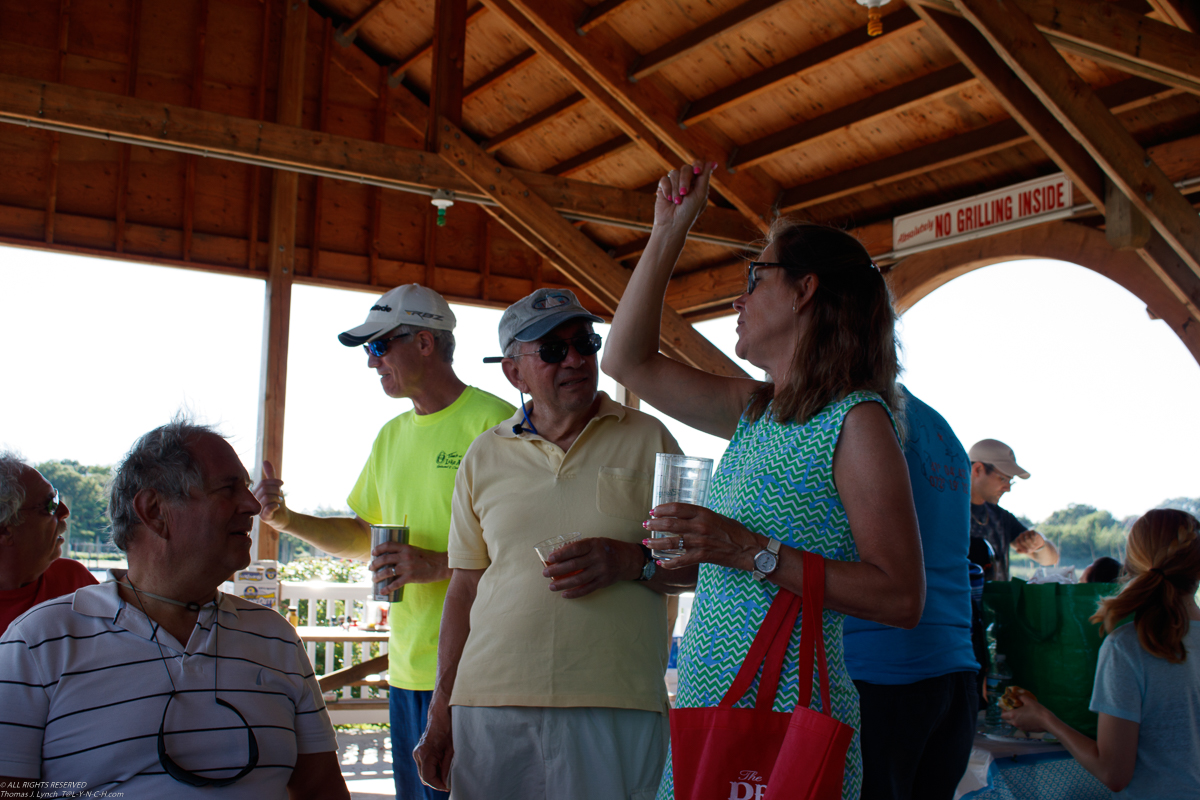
{"x":661,"y":563}
{"x":683,"y":191}
{"x":677,"y":201}
{"x":646,"y":525}
{"x":646,"y":541}
{"x":695,"y":170}
{"x":652,"y":512}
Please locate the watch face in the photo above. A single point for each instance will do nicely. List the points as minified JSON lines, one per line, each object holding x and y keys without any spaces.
{"x":765,"y":562}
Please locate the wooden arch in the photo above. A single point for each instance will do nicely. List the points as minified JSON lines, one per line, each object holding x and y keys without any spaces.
{"x":917,"y":276}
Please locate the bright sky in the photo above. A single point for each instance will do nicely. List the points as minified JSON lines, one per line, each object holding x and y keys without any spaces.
{"x":1097,"y":400}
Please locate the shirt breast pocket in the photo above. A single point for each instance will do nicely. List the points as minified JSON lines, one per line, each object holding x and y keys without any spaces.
{"x":623,"y":493}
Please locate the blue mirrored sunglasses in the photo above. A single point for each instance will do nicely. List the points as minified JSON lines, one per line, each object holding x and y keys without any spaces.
{"x":379,"y":347}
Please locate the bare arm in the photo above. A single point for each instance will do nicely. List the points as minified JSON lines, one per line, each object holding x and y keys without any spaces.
{"x":435,"y":751}
{"x":344,"y":537}
{"x":1111,"y":756}
{"x":317,"y":776}
{"x":711,"y":403}
{"x":887,"y":584}
{"x":1040,"y":549}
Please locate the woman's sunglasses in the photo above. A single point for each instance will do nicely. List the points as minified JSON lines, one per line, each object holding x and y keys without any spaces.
{"x":379,"y":347}
{"x":587,"y":344}
{"x":752,"y":273}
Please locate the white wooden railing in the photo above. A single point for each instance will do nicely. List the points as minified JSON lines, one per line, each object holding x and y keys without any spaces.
{"x":340,"y":600}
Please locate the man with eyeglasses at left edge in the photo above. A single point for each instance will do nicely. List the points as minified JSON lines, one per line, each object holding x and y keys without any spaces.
{"x":154,"y":683}
{"x":408,"y":337}
{"x":33,"y":521}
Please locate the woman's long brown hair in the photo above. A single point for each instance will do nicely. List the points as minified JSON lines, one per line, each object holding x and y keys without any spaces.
{"x":1162,"y":559}
{"x":851,"y":343}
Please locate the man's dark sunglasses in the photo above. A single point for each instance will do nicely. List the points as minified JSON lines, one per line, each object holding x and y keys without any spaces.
{"x":752,"y":273}
{"x":379,"y":347}
{"x":49,"y":505}
{"x":552,"y":352}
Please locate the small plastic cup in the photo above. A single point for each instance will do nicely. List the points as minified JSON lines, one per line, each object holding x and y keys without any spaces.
{"x":545,"y":548}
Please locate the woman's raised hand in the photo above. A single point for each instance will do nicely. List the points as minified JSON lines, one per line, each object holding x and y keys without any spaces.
{"x":682,"y":195}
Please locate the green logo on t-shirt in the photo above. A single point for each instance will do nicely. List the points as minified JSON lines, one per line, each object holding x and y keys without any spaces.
{"x":449,"y":460}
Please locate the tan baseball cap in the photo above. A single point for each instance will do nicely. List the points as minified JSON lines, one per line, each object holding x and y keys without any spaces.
{"x":999,"y":455}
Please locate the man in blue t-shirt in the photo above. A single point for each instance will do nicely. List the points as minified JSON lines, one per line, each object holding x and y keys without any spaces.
{"x":917,"y":688}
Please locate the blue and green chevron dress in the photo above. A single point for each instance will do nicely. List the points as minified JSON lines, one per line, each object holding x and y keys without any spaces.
{"x":776,"y":480}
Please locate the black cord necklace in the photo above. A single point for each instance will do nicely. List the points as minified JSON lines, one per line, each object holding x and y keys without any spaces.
{"x":174,"y":770}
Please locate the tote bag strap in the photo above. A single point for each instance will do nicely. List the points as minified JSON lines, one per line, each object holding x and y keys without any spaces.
{"x":812,"y":634}
{"x":776,"y":618}
{"x":769,"y":683}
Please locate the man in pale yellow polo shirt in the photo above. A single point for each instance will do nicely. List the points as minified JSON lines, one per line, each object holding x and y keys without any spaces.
{"x":550,"y":681}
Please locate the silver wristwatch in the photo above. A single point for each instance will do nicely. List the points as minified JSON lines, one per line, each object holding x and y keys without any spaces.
{"x":767,"y":560}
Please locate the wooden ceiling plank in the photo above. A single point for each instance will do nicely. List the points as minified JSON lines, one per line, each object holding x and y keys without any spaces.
{"x":598,"y":14}
{"x":1118,"y":97}
{"x":281,"y":261}
{"x":847,"y":44}
{"x":131,"y":70}
{"x":397,"y":70}
{"x":646,"y":111}
{"x":696,"y":38}
{"x":498,"y":74}
{"x":591,"y":156}
{"x":719,"y":284}
{"x":544,"y":117}
{"x":197,"y":100}
{"x":216,"y":135}
{"x":348,"y":31}
{"x":1078,"y":111}
{"x":630,"y":249}
{"x":889,"y":101}
{"x":578,"y":257}
{"x":64,"y":23}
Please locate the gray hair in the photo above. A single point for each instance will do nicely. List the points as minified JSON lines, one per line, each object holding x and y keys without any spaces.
{"x":12,"y":493}
{"x":160,"y":460}
{"x":443,"y":339}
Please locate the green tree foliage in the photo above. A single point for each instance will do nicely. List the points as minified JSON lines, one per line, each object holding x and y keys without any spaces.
{"x":1083,"y":533}
{"x":82,"y":488}
{"x":1188,"y":504}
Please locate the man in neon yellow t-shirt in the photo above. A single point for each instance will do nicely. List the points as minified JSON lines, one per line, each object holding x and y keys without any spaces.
{"x":410,"y":473}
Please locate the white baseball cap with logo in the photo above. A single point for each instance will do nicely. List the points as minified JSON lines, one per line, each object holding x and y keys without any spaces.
{"x":410,"y":304}
{"x":999,"y":455}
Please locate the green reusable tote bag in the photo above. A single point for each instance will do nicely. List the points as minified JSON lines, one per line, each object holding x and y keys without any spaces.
{"x":1050,"y":647}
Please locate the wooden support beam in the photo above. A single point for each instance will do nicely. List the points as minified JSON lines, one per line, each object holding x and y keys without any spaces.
{"x":446,"y":83}
{"x":132,"y":52}
{"x":1125,"y":227}
{"x":1118,"y":97}
{"x":498,"y":74}
{"x":646,"y":111}
{"x":1180,"y":13}
{"x":839,"y":47}
{"x":64,"y":24}
{"x":260,"y":100}
{"x":592,"y":156}
{"x":347,"y":32}
{"x":562,"y":108}
{"x":598,"y":14}
{"x":318,"y":210}
{"x":889,"y":101}
{"x":281,"y":260}
{"x":625,"y":397}
{"x":726,"y":23}
{"x":1077,"y":110}
{"x":27,"y":101}
{"x":376,"y":201}
{"x":578,"y":257}
{"x":485,"y":257}
{"x":397,"y":70}
{"x":1121,"y":38}
{"x":196,"y":101}
{"x":714,"y":286}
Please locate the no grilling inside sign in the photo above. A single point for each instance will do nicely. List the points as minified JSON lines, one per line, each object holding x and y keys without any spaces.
{"x":1024,"y":204}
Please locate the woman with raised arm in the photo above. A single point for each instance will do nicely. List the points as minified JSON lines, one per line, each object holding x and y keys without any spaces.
{"x":1147,"y":689}
{"x":814,"y":460}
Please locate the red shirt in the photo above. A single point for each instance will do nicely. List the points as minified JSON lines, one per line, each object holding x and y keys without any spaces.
{"x":63,"y":576}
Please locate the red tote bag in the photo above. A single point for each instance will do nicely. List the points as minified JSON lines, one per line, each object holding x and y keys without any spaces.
{"x":728,"y":753}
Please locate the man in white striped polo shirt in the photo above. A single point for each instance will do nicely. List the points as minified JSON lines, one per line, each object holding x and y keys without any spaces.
{"x":155,"y":684}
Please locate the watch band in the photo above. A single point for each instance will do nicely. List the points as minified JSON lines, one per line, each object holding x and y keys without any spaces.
{"x":649,"y":567}
{"x":772,"y":549}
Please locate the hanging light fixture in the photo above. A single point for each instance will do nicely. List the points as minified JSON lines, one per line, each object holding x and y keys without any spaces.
{"x":443,"y":200}
{"x":874,"y":17}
